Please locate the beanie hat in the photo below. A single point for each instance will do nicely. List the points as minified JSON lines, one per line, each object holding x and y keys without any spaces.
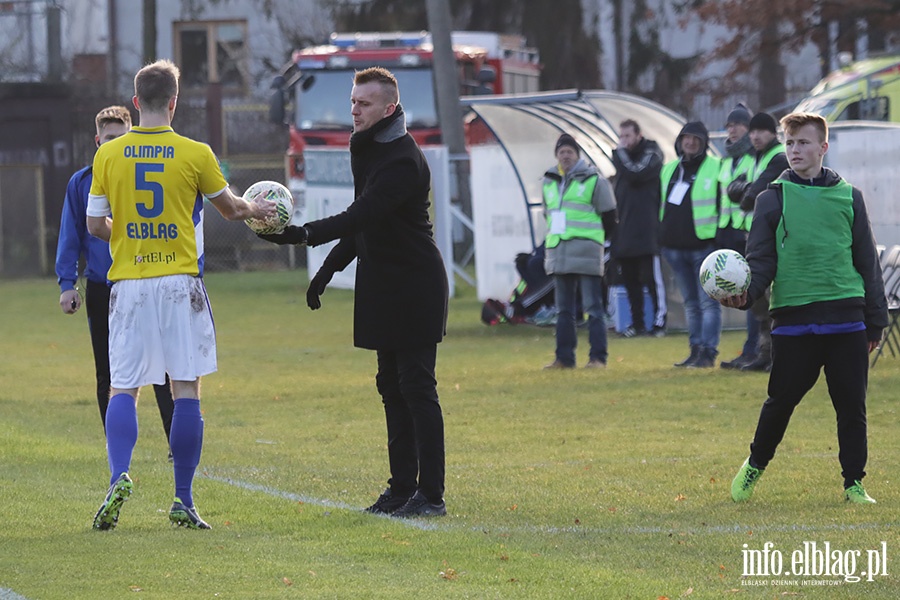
{"x":739,"y":114}
{"x":567,"y":140}
{"x":763,"y":121}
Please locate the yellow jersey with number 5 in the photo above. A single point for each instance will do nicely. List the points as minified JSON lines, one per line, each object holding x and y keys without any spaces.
{"x":152,"y":181}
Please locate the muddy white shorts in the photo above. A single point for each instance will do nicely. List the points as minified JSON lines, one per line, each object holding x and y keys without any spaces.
{"x":160,"y":325}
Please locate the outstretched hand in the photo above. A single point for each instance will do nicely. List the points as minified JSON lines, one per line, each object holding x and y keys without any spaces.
{"x":292,"y":234}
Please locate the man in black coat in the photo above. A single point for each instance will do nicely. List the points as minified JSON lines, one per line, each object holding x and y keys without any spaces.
{"x":635,"y":246}
{"x":400,"y":304}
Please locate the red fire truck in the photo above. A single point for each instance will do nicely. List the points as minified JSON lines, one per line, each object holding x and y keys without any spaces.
{"x":316,"y":84}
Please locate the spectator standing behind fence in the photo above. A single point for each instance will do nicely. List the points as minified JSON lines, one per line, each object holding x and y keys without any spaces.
{"x":769,"y":161}
{"x":581,"y":214}
{"x":811,"y":240}
{"x":638,"y":162}
{"x":74,"y":242}
{"x":688,"y":222}
{"x":733,"y":226}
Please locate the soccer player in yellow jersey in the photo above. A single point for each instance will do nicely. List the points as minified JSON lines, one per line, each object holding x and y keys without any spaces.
{"x":154,"y":182}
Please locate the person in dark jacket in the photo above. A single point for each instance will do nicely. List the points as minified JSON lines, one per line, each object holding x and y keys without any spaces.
{"x":635,"y":247}
{"x":769,"y":161}
{"x":401,"y":290}
{"x":811,"y":240}
{"x":734,"y":224}
{"x":688,"y":223}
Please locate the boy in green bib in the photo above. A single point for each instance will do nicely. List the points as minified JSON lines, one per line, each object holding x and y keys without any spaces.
{"x":811,"y":240}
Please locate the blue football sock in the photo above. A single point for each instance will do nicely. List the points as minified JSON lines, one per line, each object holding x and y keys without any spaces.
{"x":186,"y":440}
{"x":121,"y":434}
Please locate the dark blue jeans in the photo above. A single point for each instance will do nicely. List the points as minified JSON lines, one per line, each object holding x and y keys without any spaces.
{"x":592,"y":304}
{"x":702,"y":313}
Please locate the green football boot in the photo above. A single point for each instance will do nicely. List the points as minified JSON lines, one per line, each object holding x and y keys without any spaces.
{"x":746,"y":478}
{"x":108,"y":515}
{"x":856,"y":494}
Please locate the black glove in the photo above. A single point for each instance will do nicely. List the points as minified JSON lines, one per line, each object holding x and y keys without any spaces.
{"x":317,"y":287}
{"x":736,"y":189}
{"x":292,"y":234}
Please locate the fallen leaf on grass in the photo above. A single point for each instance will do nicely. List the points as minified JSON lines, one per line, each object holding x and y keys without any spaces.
{"x":687,"y":592}
{"x":449,"y":574}
{"x":680,"y":497}
{"x":287,"y":581}
{"x":504,"y":557}
{"x":513,"y":507}
{"x":662,"y":598}
{"x":612,"y":509}
{"x":135,"y":588}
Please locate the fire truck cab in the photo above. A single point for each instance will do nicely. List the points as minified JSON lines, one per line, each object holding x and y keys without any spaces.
{"x":316,"y":83}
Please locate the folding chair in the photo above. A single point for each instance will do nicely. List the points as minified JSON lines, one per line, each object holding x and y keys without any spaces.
{"x":891,"y":270}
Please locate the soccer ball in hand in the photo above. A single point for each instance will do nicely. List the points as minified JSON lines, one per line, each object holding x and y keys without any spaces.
{"x":724,"y":273}
{"x":284,"y":206}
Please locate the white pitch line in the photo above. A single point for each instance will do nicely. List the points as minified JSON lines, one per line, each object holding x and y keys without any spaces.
{"x":433,"y":526}
{"x":254,"y":487}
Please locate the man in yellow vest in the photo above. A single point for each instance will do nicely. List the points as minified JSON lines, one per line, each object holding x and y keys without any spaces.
{"x":689,"y":217}
{"x":769,"y":162}
{"x":581,"y":214}
{"x":736,"y":166}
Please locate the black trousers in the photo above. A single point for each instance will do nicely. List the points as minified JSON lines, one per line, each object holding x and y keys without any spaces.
{"x":97,"y":306}
{"x":415,"y":423}
{"x":796,"y":363}
{"x":637,"y":273}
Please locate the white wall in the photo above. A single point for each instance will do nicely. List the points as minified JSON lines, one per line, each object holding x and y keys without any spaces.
{"x":864,"y":157}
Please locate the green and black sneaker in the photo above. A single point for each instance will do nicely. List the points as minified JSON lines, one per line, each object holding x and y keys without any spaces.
{"x":186,"y":516}
{"x":108,"y":515}
{"x":742,"y":485}
{"x":856,"y":494}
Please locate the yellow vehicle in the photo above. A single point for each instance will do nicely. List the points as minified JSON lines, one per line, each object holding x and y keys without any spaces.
{"x":867,"y":90}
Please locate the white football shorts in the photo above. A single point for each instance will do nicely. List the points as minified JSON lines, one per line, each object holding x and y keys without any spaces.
{"x":160,"y":325}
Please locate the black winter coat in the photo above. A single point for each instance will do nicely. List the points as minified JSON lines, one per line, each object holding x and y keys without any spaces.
{"x":637,"y":199}
{"x":401,"y":284}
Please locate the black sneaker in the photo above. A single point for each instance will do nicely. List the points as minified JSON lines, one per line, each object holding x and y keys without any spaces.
{"x":629,"y":332}
{"x":738,"y":362}
{"x":690,"y":360}
{"x":387,"y":503}
{"x":419,"y":506}
{"x":705,"y":360}
{"x":762,"y":363}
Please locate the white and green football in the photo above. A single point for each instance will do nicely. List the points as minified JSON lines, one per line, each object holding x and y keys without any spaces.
{"x":724,"y":273}
{"x":284,"y":206}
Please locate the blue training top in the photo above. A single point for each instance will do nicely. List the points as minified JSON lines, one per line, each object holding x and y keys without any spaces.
{"x":74,"y":239}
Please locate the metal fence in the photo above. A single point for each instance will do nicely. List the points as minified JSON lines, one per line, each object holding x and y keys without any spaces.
{"x":23,"y":231}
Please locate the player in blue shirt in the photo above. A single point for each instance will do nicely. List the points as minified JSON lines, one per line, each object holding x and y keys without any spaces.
{"x":74,"y":242}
